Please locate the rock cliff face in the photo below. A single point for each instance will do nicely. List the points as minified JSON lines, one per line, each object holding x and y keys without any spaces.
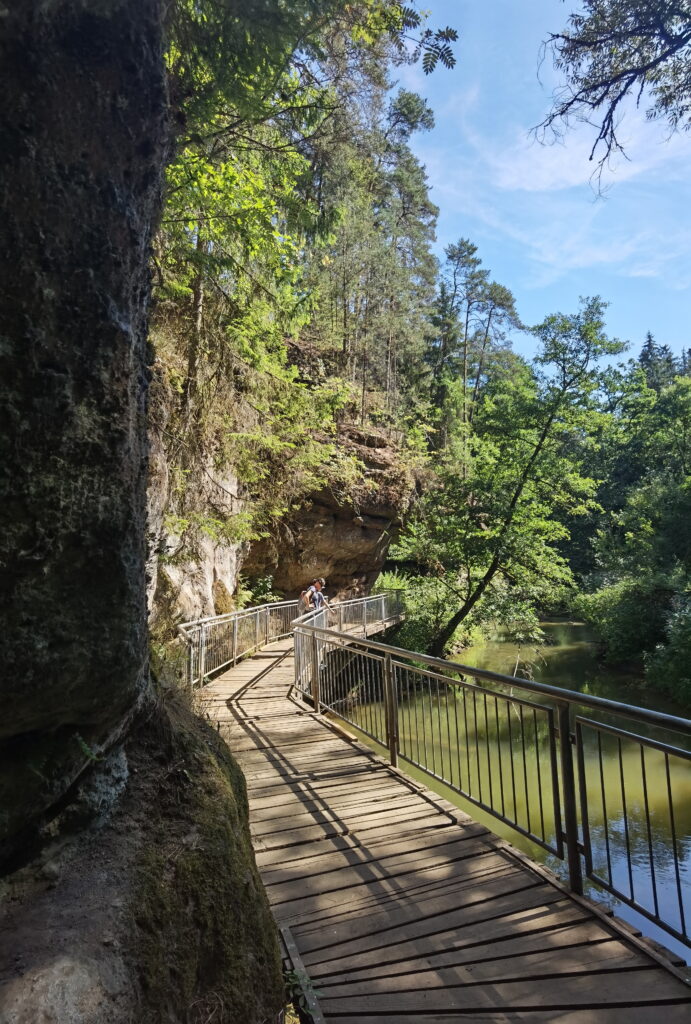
{"x":83,"y":137}
{"x":343,"y":538}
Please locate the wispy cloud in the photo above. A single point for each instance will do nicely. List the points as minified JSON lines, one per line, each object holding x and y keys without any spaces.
{"x":538,"y":199}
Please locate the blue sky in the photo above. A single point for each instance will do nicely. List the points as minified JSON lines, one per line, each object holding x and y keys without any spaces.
{"x":530,"y":209}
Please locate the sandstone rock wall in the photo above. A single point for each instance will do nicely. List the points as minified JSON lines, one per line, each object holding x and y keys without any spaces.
{"x":83,"y":138}
{"x":342,"y":537}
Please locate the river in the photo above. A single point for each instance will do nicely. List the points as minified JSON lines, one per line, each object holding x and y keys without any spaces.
{"x":618,"y":822}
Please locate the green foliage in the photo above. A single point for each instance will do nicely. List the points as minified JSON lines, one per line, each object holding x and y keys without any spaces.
{"x":640,"y":567}
{"x":630,"y":615}
{"x":292,"y":174}
{"x":668,"y":665}
{"x":299,"y":987}
{"x":257,"y":591}
{"x":512,"y":474}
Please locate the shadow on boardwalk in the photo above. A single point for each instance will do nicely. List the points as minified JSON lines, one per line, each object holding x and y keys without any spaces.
{"x":399,"y":907}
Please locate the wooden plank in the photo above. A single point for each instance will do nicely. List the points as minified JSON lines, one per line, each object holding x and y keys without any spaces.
{"x":672,"y":1013}
{"x":448,"y":850}
{"x":467,"y":866}
{"x":349,"y":841}
{"x":400,"y":913}
{"x":335,"y":826}
{"x":419,"y":929}
{"x":524,"y":934}
{"x":398,"y":890}
{"x":293,"y":803}
{"x":595,"y":955}
{"x":648,"y":985}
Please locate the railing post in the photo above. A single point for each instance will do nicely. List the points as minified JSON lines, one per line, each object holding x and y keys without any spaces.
{"x":391,"y":705}
{"x":235,"y":640}
{"x":256,"y":629}
{"x":202,"y":654}
{"x":190,"y":663}
{"x":316,"y":696}
{"x":568,"y":786}
{"x":364,"y":618}
{"x":266,"y":625}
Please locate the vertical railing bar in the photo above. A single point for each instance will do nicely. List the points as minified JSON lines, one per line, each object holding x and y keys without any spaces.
{"x":389,"y":685}
{"x":490,"y":773}
{"x":477,"y":747}
{"x":511,"y":761}
{"x":499,"y":755}
{"x":556,"y":797}
{"x":384,"y":710}
{"x":604,"y":809}
{"x":525,"y":767}
{"x":417,"y":731}
{"x":431,"y":735}
{"x":447,"y":688}
{"x":569,"y":790}
{"x":361,"y":694}
{"x":680,"y":897}
{"x":316,"y":696}
{"x":370,"y":698}
{"x":455,"y":691}
{"x":374,"y":701}
{"x":539,"y":775}
{"x":202,"y":656}
{"x":648,"y":828}
{"x":583,"y":790}
{"x":622,"y":782}
{"x":441,"y":745}
{"x":469,"y":779}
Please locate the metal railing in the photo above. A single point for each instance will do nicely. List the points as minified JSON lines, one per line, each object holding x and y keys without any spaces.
{"x":221,"y":640}
{"x":524,"y":752}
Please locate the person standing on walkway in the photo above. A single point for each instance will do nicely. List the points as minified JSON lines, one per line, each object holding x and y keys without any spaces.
{"x":315,"y":597}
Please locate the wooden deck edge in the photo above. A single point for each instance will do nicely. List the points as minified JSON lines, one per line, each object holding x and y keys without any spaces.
{"x":300,"y":972}
{"x":655,"y":950}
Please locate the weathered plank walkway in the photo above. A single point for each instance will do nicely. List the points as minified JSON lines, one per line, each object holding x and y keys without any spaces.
{"x":400,"y":908}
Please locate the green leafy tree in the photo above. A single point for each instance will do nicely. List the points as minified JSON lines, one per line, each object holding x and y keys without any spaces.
{"x":502,"y":514}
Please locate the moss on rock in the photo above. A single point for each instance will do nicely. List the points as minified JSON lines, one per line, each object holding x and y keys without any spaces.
{"x":205,"y":936}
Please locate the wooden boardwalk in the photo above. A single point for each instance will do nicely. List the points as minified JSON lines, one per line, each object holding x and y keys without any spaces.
{"x":397,"y":906}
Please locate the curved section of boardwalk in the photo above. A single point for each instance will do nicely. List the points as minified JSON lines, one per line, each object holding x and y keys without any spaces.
{"x":398,"y":907}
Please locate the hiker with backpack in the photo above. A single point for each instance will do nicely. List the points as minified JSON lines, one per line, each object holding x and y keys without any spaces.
{"x":312,"y":599}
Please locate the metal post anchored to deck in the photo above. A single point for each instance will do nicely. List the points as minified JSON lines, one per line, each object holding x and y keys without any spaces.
{"x":569,"y":790}
{"x":316,"y":697}
{"x":391,"y":699}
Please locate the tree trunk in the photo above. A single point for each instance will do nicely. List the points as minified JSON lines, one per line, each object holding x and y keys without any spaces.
{"x":438,"y":646}
{"x":83,"y":130}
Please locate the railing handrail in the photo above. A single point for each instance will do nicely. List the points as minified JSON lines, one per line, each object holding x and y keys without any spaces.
{"x":657,"y":718}
{"x":228,"y":616}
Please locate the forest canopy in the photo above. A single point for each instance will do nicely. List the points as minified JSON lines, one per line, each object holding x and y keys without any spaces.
{"x":298,"y":292}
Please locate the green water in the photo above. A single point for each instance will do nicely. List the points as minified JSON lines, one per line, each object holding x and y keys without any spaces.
{"x":500,"y":753}
{"x":568,"y":658}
